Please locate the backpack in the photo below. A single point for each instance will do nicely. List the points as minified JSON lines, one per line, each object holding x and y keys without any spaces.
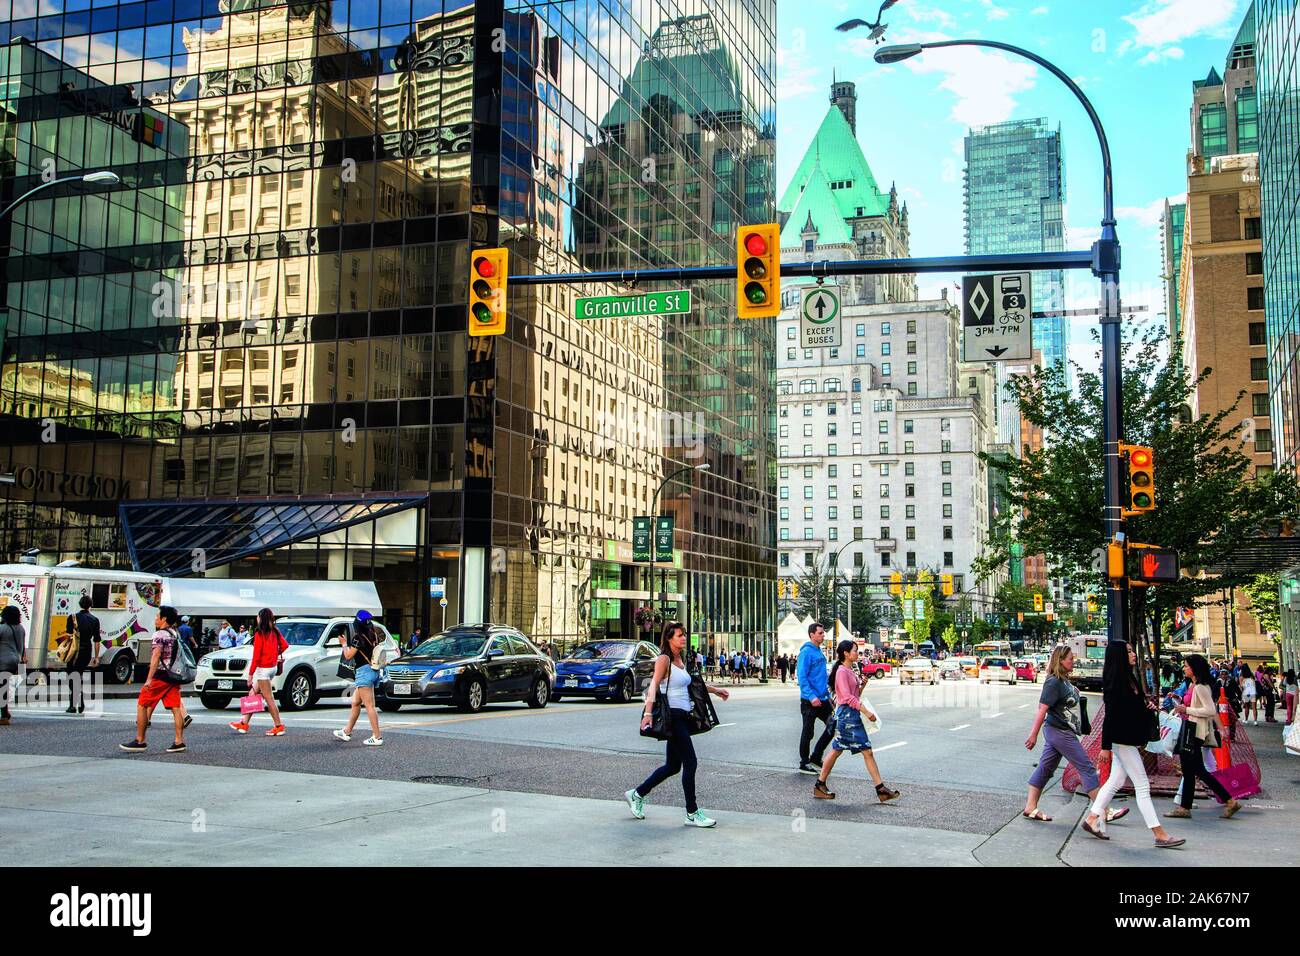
{"x":182,"y":668}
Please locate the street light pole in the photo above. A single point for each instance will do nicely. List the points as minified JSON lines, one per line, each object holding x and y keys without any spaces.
{"x":835,"y":565}
{"x":1105,"y":266}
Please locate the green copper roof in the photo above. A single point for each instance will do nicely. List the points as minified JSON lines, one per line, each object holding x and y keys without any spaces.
{"x":1246,"y":32}
{"x":818,"y":202}
{"x":699,"y":83}
{"x":833,"y":180}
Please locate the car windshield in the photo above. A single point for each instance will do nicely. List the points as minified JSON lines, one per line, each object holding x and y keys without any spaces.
{"x":919,"y":662}
{"x":996,"y":662}
{"x":452,"y":645}
{"x":603,"y":650}
{"x":301,"y":633}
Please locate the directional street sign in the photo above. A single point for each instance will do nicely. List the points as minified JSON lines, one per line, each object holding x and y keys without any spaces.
{"x":995,"y":317}
{"x":819,"y":318}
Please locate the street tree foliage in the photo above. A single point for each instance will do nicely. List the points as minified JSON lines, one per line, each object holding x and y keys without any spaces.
{"x":1263,"y":591}
{"x":819,"y":598}
{"x":1208,"y":505}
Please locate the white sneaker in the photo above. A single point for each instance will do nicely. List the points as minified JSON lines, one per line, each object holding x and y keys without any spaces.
{"x":373,"y":741}
{"x":635,"y":803}
{"x":342,"y":735}
{"x":698,"y":819}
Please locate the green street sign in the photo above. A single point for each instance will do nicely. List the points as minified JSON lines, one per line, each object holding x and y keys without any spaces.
{"x":641,"y":539}
{"x":664,"y":538}
{"x":632,"y":306}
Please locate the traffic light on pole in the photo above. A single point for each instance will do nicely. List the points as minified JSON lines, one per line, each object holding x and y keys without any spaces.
{"x":945,"y":581}
{"x":794,"y":590}
{"x":895,"y":583}
{"x":1092,"y":604}
{"x":1141,"y":479}
{"x":487,"y":291}
{"x":758,"y":271}
{"x":1038,"y":602}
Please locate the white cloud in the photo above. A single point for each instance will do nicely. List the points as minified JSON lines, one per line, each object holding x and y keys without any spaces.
{"x":1162,"y":22}
{"x":1161,"y":55}
{"x":796,"y":76}
{"x":1148,"y":216}
{"x":1040,"y":11}
{"x":923,"y":14}
{"x":985,"y":84}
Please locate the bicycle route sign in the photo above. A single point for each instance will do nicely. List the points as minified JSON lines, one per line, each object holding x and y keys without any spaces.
{"x":995,"y":317}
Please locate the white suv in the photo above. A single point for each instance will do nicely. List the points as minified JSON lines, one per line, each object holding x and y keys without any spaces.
{"x":311,"y":664}
{"x":996,"y":668}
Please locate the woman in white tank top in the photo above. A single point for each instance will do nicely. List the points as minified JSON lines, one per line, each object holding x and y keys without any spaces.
{"x":673,"y":677}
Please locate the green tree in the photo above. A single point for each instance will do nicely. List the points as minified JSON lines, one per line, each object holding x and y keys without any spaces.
{"x":1208,"y":506}
{"x":815,"y":598}
{"x":1265,"y":605}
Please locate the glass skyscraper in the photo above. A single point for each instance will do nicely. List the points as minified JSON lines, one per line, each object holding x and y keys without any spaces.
{"x":1277,"y":25}
{"x":1015,"y":200}
{"x":252,"y":358}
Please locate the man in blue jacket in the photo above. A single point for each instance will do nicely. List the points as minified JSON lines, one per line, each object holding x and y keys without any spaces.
{"x":814,"y":701}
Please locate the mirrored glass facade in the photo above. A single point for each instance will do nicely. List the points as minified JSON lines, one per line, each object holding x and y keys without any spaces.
{"x":270,"y":308}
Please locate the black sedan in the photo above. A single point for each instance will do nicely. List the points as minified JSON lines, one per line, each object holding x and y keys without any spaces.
{"x":469,"y":666}
{"x":618,"y":670}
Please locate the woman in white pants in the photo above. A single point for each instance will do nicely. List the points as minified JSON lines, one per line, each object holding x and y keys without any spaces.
{"x":1126,"y":728}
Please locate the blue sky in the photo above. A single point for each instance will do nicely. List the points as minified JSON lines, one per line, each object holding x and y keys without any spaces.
{"x":1136,"y":62}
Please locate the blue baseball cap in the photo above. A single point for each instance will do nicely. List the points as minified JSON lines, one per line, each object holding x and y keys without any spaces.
{"x":364,"y":615}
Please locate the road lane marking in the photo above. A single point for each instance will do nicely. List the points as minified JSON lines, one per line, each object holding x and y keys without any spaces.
{"x":959,"y":727}
{"x":732,"y":724}
{"x":1022,"y":706}
{"x":901,"y":743}
{"x":991,"y":716}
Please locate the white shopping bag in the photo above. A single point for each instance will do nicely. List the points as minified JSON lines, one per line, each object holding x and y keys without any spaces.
{"x":1291,"y":737}
{"x":1170,"y":727}
{"x":873,"y":726}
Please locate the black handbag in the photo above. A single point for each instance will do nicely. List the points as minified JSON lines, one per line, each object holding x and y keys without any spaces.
{"x":1187,"y":740}
{"x":348,"y":668}
{"x":661,"y":721}
{"x":1085,"y":725}
{"x":1153,"y":726}
{"x":703,"y":717}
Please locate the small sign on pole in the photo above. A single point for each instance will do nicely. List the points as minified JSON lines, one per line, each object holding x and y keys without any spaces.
{"x":996,"y":317}
{"x":664,"y":539}
{"x":641,"y":539}
{"x":819,"y":317}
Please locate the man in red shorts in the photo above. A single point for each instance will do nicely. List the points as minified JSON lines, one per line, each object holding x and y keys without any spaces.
{"x":156,"y":690}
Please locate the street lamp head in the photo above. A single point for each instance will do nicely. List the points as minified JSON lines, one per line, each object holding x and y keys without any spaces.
{"x":898,"y":52}
{"x":704,"y":467}
{"x":102,"y":177}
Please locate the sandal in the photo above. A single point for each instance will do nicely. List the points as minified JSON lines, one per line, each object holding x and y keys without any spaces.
{"x":1038,"y":815}
{"x":1097,"y":833}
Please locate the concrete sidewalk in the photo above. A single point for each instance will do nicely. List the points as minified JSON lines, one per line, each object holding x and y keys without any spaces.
{"x":73,"y":811}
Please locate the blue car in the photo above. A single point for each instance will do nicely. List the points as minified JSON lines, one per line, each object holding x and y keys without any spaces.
{"x":606,"y":670}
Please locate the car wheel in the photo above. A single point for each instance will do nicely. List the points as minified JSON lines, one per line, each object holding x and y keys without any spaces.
{"x":540,"y":695}
{"x":878,"y":675}
{"x":299,"y":691}
{"x":473,"y":697}
{"x":389,"y":706}
{"x":214,"y":701}
{"x":123,"y":668}
{"x":625,"y":689}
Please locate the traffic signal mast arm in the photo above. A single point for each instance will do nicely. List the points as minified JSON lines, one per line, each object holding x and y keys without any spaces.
{"x":1009,"y":262}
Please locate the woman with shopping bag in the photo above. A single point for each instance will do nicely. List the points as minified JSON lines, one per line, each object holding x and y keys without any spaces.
{"x":850,"y":731}
{"x":1200,"y":728}
{"x":269,"y":646}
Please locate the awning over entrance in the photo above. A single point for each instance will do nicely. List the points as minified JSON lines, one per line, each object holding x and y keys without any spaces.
{"x":161,"y":535}
{"x":230,"y":597}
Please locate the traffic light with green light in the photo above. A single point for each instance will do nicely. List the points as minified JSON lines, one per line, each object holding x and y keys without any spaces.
{"x":487,"y":291}
{"x":758,"y":271}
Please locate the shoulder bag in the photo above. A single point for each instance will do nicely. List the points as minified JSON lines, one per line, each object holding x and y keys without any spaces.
{"x":348,"y":666}
{"x":182,"y":668}
{"x":1085,"y":725}
{"x":703,"y":717}
{"x":661,"y":720}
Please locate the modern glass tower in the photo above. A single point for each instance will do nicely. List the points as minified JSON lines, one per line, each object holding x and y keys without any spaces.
{"x":262,"y":340}
{"x":1015,"y":196}
{"x":1277,"y":25}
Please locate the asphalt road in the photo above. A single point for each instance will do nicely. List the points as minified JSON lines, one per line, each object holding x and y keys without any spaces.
{"x":955,"y":751}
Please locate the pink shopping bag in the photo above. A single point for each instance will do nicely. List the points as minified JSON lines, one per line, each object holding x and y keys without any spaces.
{"x":252,"y":704}
{"x":1238,"y":780}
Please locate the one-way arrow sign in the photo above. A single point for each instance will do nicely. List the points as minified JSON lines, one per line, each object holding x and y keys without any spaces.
{"x":995,"y":317}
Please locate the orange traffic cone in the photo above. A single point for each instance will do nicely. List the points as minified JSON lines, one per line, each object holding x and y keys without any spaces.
{"x":1223,"y":755}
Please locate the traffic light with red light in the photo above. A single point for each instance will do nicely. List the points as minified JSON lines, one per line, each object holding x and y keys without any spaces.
{"x":1141,"y":479}
{"x":487,"y":291}
{"x":758,"y":271}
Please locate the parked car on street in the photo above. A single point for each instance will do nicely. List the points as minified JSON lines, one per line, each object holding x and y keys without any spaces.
{"x":918,"y":669}
{"x":469,"y":665}
{"x":607,"y":670}
{"x":311,"y":664}
{"x":876,"y":671}
{"x":997,"y":668}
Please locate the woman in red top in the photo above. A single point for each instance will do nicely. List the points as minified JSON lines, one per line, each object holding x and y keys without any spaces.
{"x":268,"y":649}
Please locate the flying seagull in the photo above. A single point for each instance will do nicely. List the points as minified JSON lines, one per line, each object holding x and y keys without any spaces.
{"x":877,"y":28}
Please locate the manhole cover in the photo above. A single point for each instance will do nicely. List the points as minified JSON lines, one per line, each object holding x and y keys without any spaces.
{"x":448,"y":781}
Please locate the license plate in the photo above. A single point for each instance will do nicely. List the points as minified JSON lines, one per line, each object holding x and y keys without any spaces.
{"x":225,"y":685}
{"x":403,"y":688}
{"x":571,"y":682}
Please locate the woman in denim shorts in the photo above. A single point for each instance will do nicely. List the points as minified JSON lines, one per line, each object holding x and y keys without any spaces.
{"x":361,"y":648}
{"x":850,"y":731}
